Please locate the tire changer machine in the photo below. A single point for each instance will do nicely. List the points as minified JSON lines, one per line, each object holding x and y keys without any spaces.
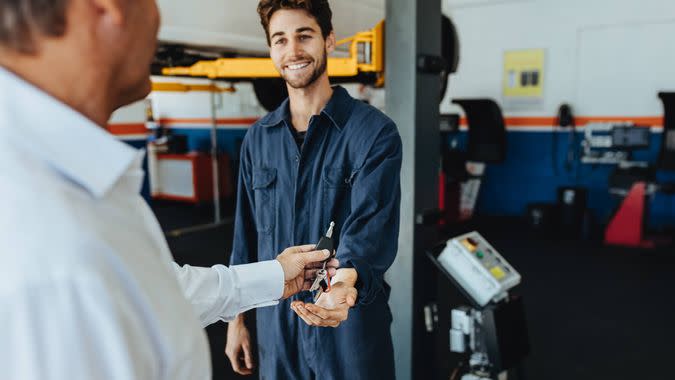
{"x":491,"y":332}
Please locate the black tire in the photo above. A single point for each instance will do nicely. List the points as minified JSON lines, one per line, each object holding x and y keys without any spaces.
{"x":449,"y":51}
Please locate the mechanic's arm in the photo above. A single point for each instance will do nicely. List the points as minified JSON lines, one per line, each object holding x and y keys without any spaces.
{"x":245,"y":240}
{"x":369,"y":236}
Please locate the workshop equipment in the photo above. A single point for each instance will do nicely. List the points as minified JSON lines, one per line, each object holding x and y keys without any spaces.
{"x":627,"y":226}
{"x":462,"y":171}
{"x":493,"y":330}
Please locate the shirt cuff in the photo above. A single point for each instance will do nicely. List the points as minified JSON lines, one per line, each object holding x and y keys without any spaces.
{"x":259,"y":284}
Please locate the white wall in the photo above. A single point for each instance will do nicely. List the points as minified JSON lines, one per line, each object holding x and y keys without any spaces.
{"x":197,"y":104}
{"x":184,"y":107}
{"x":133,"y":113}
{"x":605,"y":57}
{"x":235,"y":25}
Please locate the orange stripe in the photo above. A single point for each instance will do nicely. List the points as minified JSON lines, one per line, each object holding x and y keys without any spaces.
{"x":127,"y":129}
{"x":227,"y":121}
{"x":530,"y":121}
{"x":519,"y":121}
{"x":523,"y":121}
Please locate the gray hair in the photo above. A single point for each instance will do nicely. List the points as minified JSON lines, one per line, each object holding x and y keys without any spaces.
{"x":21,"y":20}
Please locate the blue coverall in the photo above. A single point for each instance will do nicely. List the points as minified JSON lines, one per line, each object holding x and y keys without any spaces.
{"x":347,"y":171}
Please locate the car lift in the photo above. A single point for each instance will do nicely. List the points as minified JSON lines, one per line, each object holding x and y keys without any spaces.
{"x":364,"y":63}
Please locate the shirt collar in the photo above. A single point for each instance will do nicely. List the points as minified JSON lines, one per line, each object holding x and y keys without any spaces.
{"x":63,"y":138}
{"x":338,"y":109}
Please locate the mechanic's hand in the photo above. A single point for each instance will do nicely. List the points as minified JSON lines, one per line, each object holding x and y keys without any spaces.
{"x":238,"y":347}
{"x":300,"y":265}
{"x":331,"y":308}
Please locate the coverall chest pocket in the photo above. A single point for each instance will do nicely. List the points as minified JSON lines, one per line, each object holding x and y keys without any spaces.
{"x":337,"y":190}
{"x":264,"y":180}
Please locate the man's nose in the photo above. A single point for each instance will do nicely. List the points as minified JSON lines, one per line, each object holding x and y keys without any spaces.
{"x":295,"y":49}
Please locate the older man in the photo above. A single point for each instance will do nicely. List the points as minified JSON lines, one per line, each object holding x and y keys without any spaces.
{"x":88,"y":288}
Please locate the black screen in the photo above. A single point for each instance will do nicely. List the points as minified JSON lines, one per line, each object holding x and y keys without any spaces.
{"x":630,"y":137}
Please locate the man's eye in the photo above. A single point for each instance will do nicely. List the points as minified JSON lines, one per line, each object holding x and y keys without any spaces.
{"x":304,"y":37}
{"x":280,"y":41}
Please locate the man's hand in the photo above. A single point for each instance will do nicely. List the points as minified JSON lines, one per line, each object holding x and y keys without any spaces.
{"x":238,"y":347}
{"x":331,"y":308}
{"x":300,"y":265}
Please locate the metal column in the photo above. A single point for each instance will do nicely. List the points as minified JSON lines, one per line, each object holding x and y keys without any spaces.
{"x":412,"y":101}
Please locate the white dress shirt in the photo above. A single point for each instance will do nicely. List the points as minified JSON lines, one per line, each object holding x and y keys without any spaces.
{"x":88,"y":287}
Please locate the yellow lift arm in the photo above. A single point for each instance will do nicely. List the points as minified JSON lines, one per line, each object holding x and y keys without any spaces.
{"x":182,"y":87}
{"x":366,"y":55}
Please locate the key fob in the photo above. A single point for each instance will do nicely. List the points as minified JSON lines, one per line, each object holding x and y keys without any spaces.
{"x":326,"y":243}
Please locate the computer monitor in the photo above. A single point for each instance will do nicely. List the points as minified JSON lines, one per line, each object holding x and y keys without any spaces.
{"x":630,"y":137}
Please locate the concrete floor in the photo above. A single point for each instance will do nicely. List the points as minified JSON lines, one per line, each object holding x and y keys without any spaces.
{"x":593,"y":312}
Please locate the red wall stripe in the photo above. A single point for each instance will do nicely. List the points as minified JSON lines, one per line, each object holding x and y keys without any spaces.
{"x":225,"y":121}
{"x":127,"y":129}
{"x":121,"y":129}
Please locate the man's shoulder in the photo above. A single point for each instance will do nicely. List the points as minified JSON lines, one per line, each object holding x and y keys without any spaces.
{"x":39,"y":248}
{"x":369,"y":126}
{"x":44,"y":235}
{"x":364,"y":114}
{"x":272,"y":118}
{"x":37,"y":216}
{"x":267,"y":120}
{"x":40,"y":214}
{"x":372,"y":111}
{"x":256,"y":130}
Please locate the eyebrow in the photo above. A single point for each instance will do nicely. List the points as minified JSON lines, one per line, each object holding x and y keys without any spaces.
{"x":299,"y":30}
{"x":304,"y":29}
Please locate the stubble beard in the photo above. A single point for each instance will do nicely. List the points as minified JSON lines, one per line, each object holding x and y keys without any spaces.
{"x":306,"y":82}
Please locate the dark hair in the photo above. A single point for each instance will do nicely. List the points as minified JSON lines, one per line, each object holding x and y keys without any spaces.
{"x":319,"y":9}
{"x":20,"y":20}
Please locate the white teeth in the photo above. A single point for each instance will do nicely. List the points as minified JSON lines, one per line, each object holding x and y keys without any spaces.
{"x":298,"y":66}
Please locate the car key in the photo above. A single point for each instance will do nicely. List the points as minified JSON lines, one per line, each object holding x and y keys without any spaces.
{"x":320,"y":276}
{"x":322,"y":279}
{"x":326,"y":242}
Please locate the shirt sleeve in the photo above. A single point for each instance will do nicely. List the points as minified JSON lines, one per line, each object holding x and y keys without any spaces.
{"x":369,"y":236}
{"x":244,"y":245}
{"x":220,"y":293}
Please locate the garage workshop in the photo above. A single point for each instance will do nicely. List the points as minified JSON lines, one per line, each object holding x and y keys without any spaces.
{"x":337,"y":189}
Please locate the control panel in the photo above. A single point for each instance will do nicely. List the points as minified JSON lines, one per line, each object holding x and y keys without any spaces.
{"x":478,"y":268}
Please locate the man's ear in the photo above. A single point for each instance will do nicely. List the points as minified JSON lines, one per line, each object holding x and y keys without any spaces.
{"x":330,"y":42}
{"x":113,"y":10}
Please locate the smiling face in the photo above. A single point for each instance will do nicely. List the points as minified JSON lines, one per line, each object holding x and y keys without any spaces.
{"x":297,"y":47}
